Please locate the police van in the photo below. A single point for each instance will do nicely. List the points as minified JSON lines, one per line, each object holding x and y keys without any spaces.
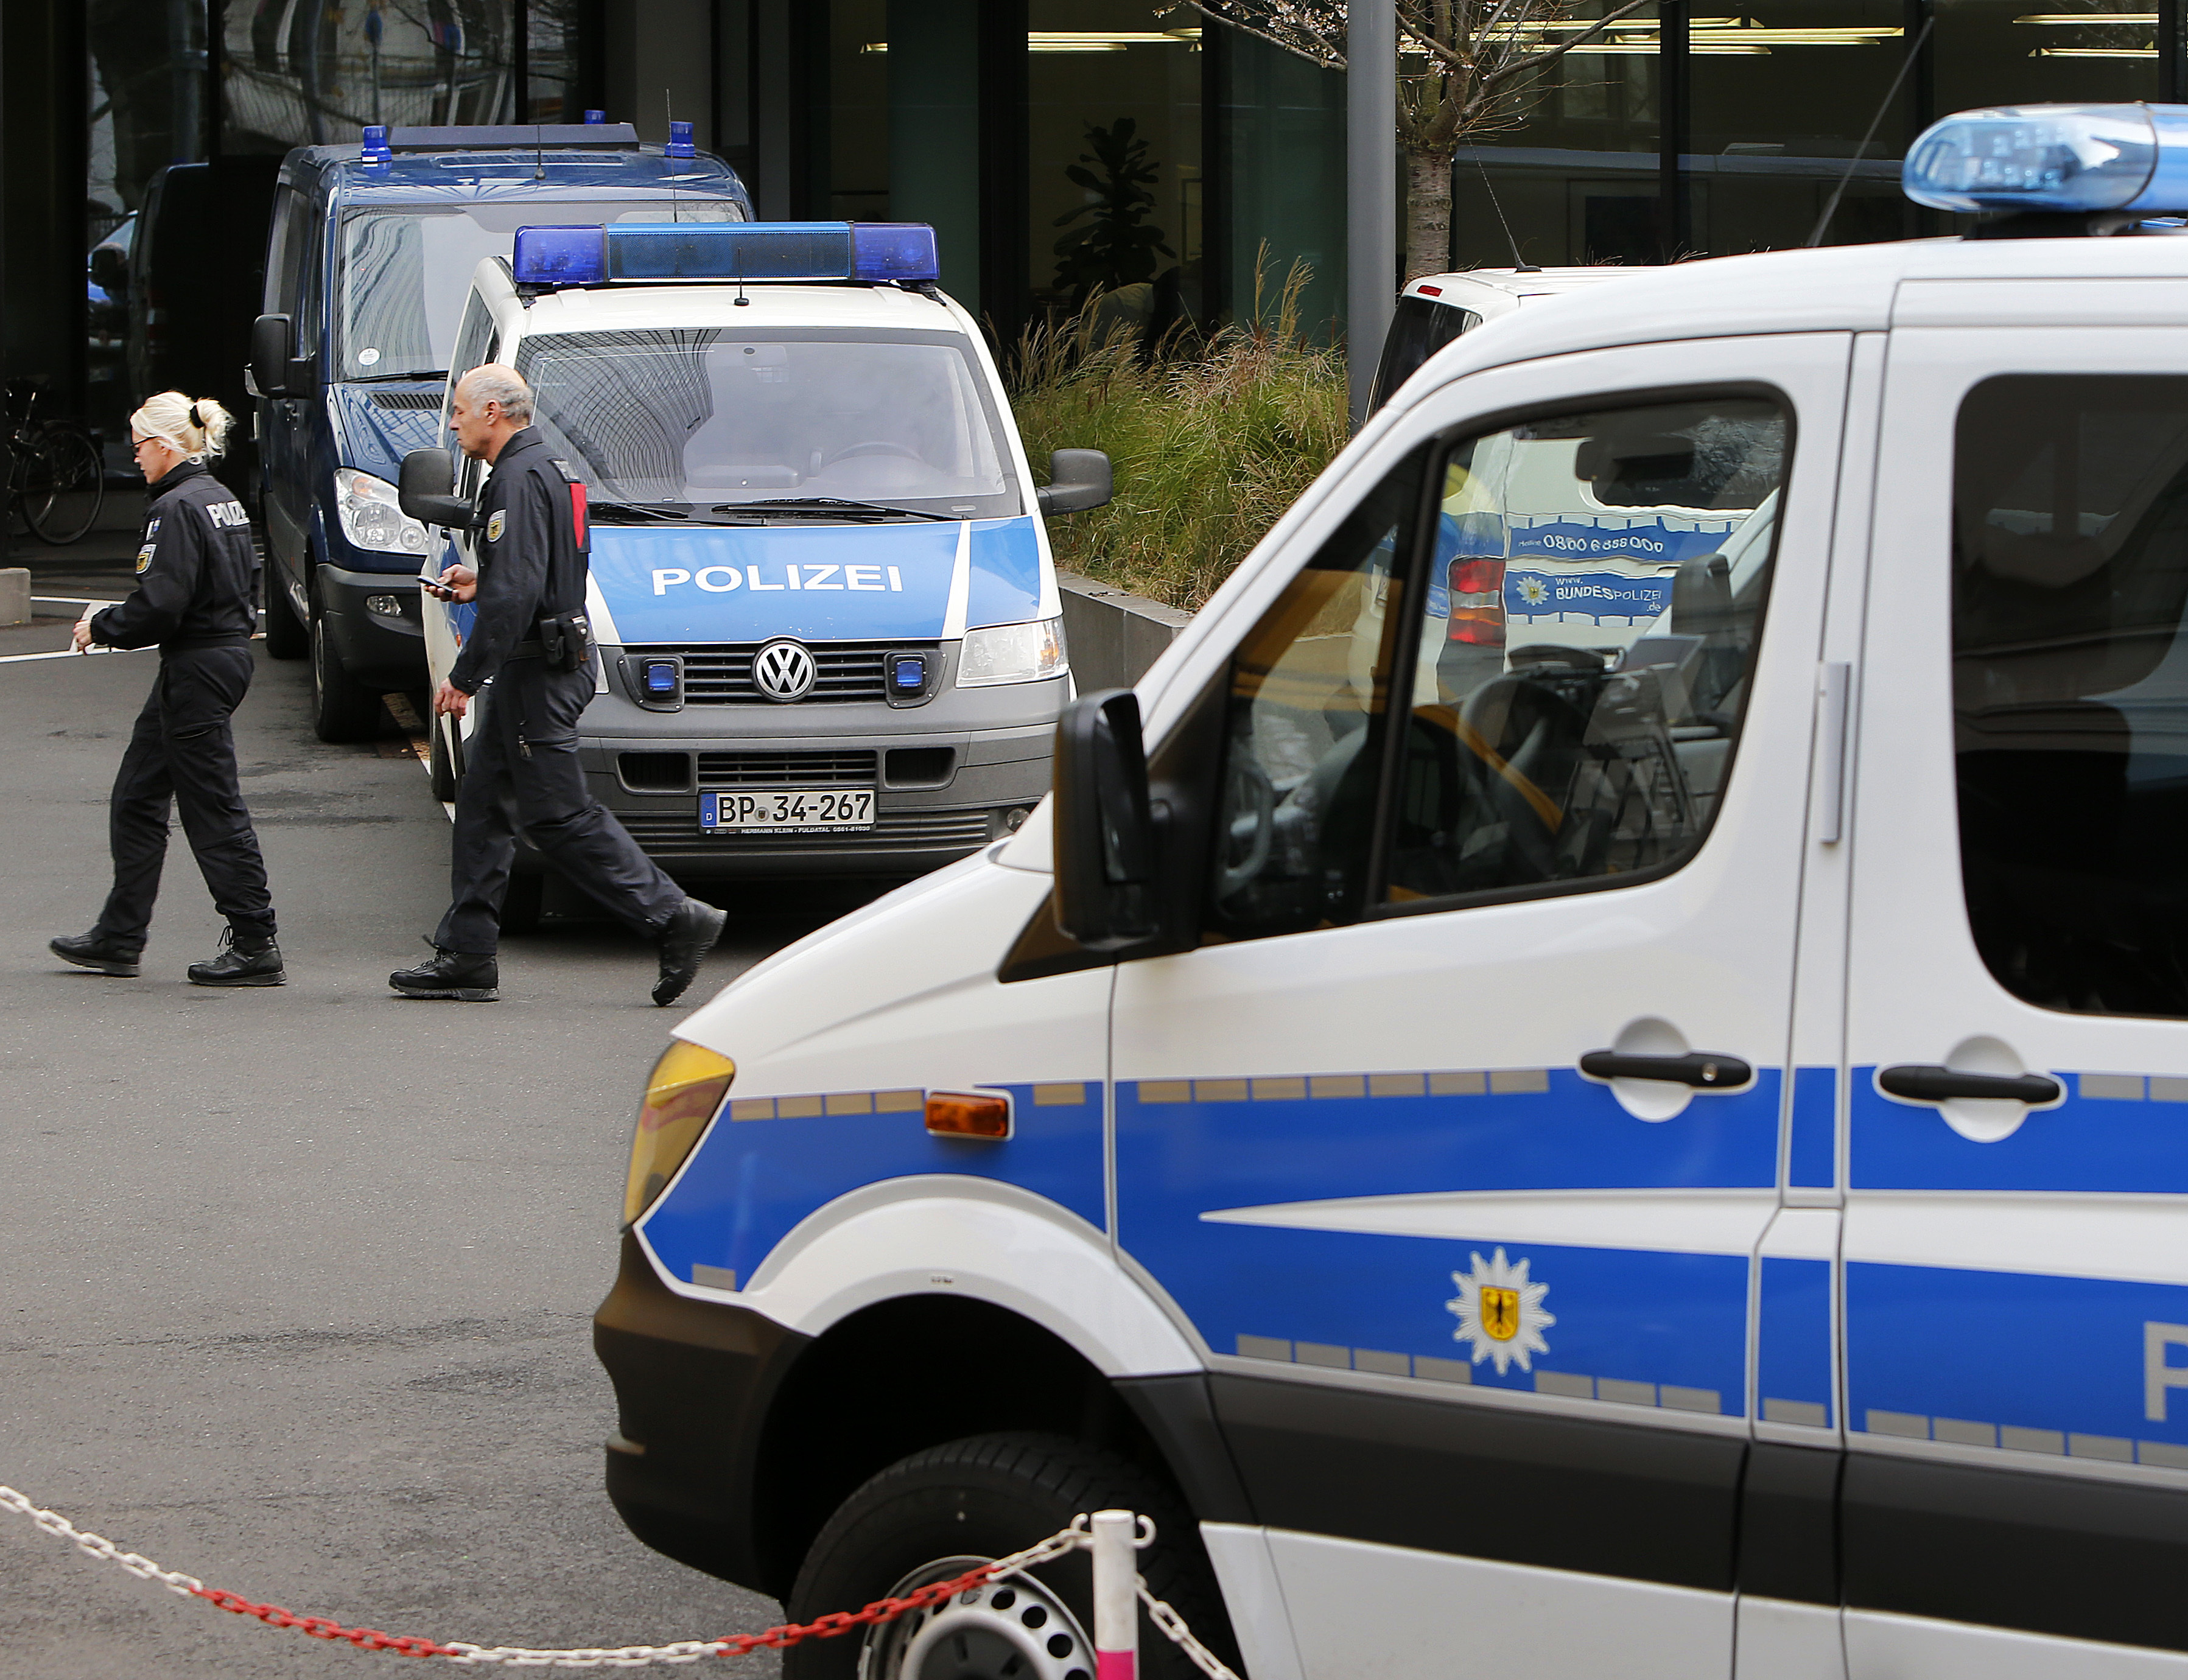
{"x":369,"y":249}
{"x":830,"y":635}
{"x":1668,"y":1157}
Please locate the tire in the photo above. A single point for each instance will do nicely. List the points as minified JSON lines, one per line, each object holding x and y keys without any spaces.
{"x":439,"y":761}
{"x":287,"y":636}
{"x":65,"y":487}
{"x":526,"y":901}
{"x":342,"y":708}
{"x":924,"y":1517}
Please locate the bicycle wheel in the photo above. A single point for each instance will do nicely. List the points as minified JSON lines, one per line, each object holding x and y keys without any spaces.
{"x":65,"y":486}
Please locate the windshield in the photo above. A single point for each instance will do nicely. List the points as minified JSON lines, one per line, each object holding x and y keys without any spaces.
{"x":405,"y":273}
{"x":714,"y":418}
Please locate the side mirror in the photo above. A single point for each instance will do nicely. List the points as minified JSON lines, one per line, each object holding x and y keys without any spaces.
{"x":1104,"y":822}
{"x":426,"y":490}
{"x":275,"y":368}
{"x":1078,"y":479}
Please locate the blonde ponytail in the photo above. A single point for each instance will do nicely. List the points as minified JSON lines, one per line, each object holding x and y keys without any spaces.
{"x":198,"y":428}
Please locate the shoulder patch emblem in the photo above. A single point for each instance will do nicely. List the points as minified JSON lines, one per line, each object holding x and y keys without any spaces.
{"x":144,"y":558}
{"x":497,"y":524}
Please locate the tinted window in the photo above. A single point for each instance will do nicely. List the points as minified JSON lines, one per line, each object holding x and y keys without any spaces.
{"x":1418,"y":329}
{"x":2070,"y":686}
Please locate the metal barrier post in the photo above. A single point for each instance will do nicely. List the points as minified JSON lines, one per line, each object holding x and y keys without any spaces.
{"x":1116,"y":1595}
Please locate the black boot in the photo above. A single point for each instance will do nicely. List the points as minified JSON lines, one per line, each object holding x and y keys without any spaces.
{"x":249,"y":960}
{"x":98,"y":952}
{"x":685,"y":941}
{"x":451,"y":976}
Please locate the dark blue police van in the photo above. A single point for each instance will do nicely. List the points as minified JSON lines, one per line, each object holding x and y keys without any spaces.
{"x":369,"y":261}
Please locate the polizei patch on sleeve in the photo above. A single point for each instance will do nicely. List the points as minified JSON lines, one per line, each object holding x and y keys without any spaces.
{"x":497,"y":524}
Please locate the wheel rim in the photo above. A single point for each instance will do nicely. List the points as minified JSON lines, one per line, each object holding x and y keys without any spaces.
{"x":1016,"y":1628}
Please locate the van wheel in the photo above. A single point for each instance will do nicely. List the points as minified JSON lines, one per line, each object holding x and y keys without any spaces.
{"x":523,"y":906}
{"x":286,"y":637}
{"x":441,"y":759}
{"x":937,"y":1514}
{"x":342,"y":708}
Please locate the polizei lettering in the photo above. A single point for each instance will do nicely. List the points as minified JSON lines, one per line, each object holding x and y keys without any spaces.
{"x":721,"y":579}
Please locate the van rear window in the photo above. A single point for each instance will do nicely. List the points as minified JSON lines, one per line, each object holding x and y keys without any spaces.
{"x":2070,"y":686}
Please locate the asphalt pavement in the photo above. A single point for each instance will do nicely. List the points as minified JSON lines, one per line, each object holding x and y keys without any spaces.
{"x":295,"y":1283}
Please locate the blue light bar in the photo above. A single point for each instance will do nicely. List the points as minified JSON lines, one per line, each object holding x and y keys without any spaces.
{"x":596,"y":116}
{"x":2072,"y":158}
{"x":559,"y":257}
{"x":375,"y":150}
{"x":893,"y":251}
{"x":679,"y":142}
{"x":878,"y":252}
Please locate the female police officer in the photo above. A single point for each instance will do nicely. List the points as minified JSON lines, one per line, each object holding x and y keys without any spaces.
{"x":196,"y":597}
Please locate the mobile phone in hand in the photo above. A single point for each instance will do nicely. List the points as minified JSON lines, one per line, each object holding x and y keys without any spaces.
{"x":434,"y":587}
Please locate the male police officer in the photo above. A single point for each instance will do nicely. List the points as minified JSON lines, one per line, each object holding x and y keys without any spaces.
{"x":531,"y":641}
{"x":196,"y":597}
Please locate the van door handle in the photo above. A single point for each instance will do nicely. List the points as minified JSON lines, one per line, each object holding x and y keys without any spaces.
{"x":1921,"y":1083}
{"x":1703,"y":1069}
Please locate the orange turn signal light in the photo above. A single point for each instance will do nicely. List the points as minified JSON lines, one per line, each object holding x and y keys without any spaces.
{"x":959,"y":1113}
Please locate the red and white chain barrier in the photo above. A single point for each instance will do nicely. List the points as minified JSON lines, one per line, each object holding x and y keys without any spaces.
{"x":1113,"y":1536}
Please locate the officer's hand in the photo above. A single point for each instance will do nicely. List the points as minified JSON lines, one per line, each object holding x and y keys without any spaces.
{"x":460,"y":581}
{"x":449,"y":701}
{"x":82,"y":639}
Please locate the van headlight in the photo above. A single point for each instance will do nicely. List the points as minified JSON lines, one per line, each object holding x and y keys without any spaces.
{"x":1012,"y":653}
{"x":682,"y":1094}
{"x":371,"y":517}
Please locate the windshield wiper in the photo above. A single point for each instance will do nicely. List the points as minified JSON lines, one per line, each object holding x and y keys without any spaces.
{"x":631,"y":513}
{"x":389,"y":379}
{"x":832,"y":505}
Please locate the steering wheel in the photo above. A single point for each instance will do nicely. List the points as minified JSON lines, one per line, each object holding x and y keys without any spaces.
{"x":875,"y":448}
{"x":1249,"y":809}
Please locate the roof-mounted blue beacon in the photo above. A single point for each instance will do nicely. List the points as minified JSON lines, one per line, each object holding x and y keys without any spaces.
{"x":875,"y":253}
{"x":2054,"y":160}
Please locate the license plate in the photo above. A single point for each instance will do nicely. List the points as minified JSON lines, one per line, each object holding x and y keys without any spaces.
{"x":788,"y":810}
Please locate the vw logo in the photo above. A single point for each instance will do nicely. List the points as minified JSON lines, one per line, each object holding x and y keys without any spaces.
{"x":784,"y":671}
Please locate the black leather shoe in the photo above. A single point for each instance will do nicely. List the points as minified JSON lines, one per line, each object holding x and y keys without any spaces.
{"x":451,"y":976}
{"x":94,"y":951}
{"x":691,"y":932}
{"x":241,"y":962}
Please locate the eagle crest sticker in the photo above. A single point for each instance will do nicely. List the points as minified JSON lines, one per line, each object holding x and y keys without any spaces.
{"x":496,"y":525}
{"x":1500,"y":1312}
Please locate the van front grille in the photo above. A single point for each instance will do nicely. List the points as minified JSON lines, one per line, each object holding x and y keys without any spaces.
{"x":786,"y":769}
{"x":721,"y":674}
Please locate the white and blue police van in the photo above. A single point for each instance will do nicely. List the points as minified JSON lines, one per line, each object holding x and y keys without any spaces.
{"x":830,"y":635}
{"x":370,"y":248}
{"x":1664,"y":1155}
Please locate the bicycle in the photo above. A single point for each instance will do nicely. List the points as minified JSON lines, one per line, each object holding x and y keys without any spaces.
{"x":56,"y":476}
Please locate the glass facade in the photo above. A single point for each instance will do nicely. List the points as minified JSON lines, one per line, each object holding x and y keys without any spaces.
{"x":1776,"y":106}
{"x":1062,"y":149}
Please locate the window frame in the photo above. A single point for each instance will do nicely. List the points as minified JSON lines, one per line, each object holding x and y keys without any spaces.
{"x":1400,"y":646}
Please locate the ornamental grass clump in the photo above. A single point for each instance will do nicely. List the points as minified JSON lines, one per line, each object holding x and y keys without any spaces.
{"x":1211,"y":439}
